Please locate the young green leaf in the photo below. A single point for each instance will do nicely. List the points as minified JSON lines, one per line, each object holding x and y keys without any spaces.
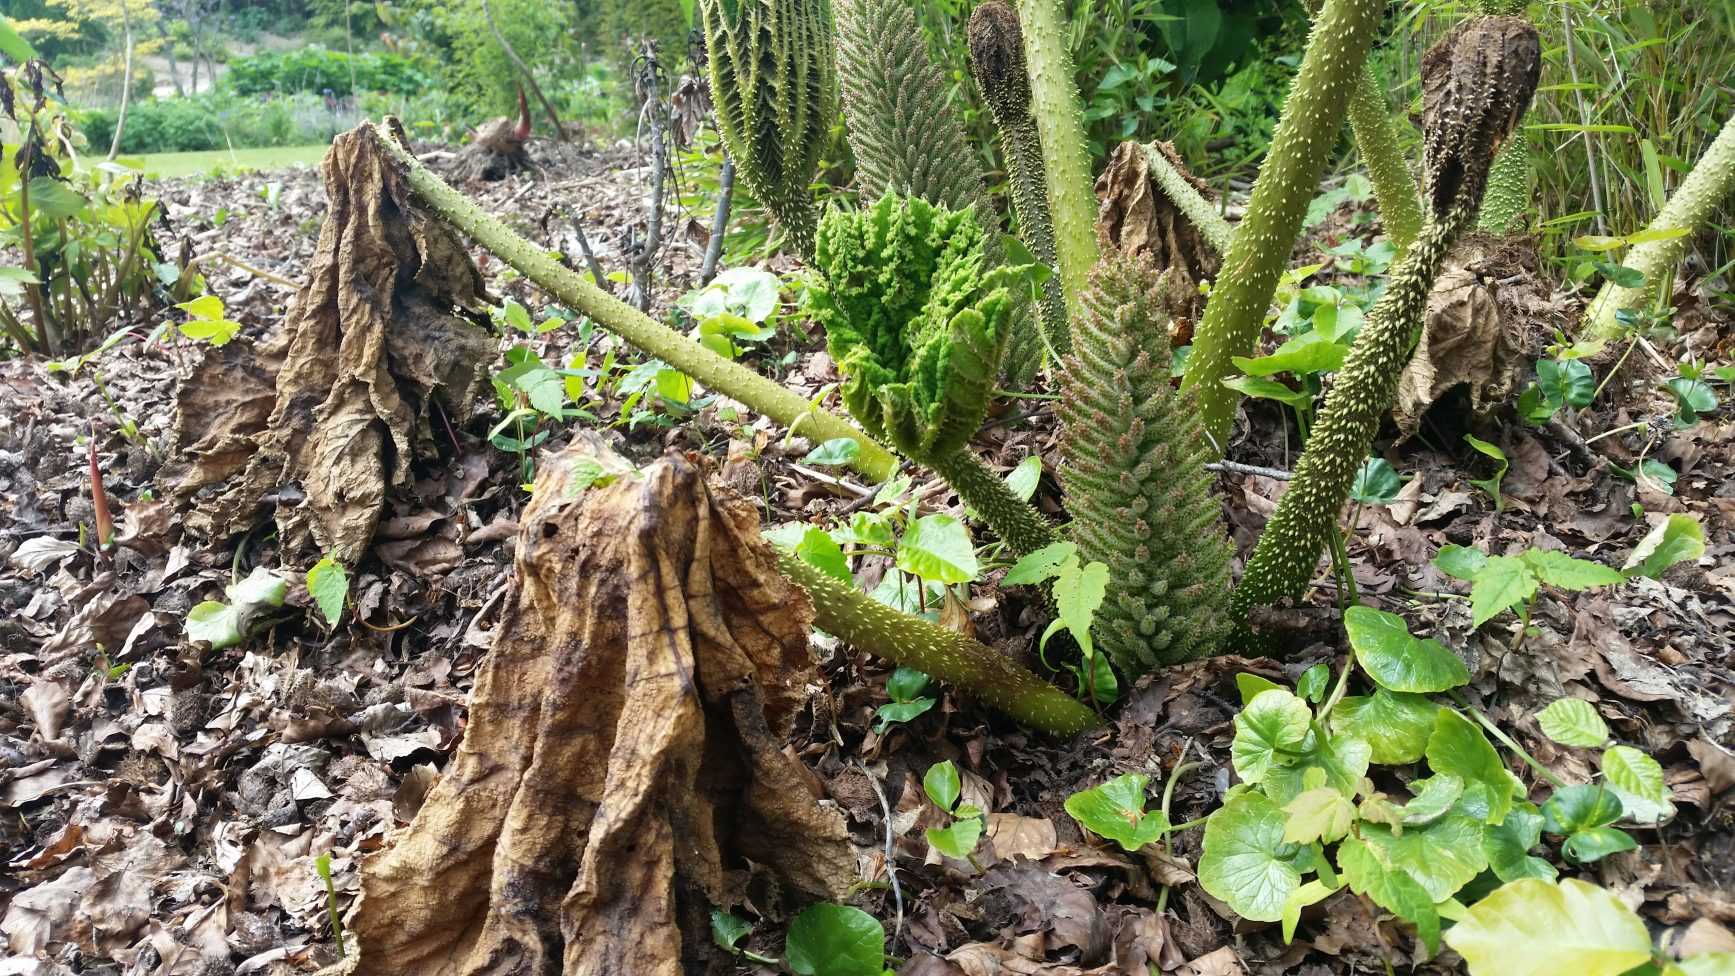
{"x":1566,"y":381}
{"x":1246,"y":863}
{"x":1342,"y":761}
{"x":1311,"y":893}
{"x":1250,"y":685}
{"x":1559,"y":569}
{"x":835,"y":940}
{"x":906,"y":684}
{"x":1116,"y":810}
{"x":838,"y":450}
{"x":1461,"y":562}
{"x":1434,"y":797}
{"x":1042,"y":564}
{"x":1395,"y":725}
{"x":1320,"y":814}
{"x":943,"y":785}
{"x":1580,"y":807}
{"x":1313,"y":682}
{"x":1391,"y":889}
{"x":1398,"y":661}
{"x":958,"y":840}
{"x":1442,"y":857}
{"x":818,"y":549}
{"x":896,"y":713}
{"x":1376,"y":483}
{"x":1678,"y":539}
{"x":1490,"y":485}
{"x":1638,"y":781}
{"x":1573,"y":722}
{"x":938,"y":548}
{"x":1024,"y":478}
{"x":1592,"y":844}
{"x":728,"y":930}
{"x":1274,"y":723}
{"x":1503,"y":583}
{"x":1459,"y":748}
{"x":1532,"y":927}
{"x":328,"y":584}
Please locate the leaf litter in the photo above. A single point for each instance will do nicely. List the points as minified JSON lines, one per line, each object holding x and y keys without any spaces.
{"x":168,"y":804}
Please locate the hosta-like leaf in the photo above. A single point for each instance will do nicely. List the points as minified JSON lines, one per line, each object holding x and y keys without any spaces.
{"x":1395,"y":725}
{"x":1459,"y":748}
{"x":1442,"y":856}
{"x":938,"y":548}
{"x":1533,"y":927}
{"x":1398,"y":661}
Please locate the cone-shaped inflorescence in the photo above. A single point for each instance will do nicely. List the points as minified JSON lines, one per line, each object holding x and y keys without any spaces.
{"x":774,"y":84}
{"x":1135,"y":476}
{"x":1476,"y":83}
{"x":906,"y":137}
{"x":918,"y":328}
{"x":1301,"y":147}
{"x":997,"y":61}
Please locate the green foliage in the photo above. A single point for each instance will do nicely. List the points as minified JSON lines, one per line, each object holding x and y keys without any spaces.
{"x":1116,"y":810}
{"x":1134,"y":475}
{"x":773,"y":81}
{"x":207,"y":321}
{"x":455,"y":37}
{"x":328,"y":584}
{"x":1079,"y":589}
{"x":250,"y":601}
{"x":836,"y":940}
{"x":914,"y":322}
{"x":1535,"y":927}
{"x":1306,"y":799}
{"x":906,"y":688}
{"x":315,"y":69}
{"x":959,"y":838}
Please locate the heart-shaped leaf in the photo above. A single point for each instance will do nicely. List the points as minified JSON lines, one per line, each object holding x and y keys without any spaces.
{"x":1398,"y":661}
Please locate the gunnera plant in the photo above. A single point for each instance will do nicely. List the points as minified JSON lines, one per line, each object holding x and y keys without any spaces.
{"x":918,"y":327}
{"x":908,"y":140}
{"x":1476,"y":83}
{"x":1134,"y":473}
{"x":997,"y":61}
{"x":774,"y":84}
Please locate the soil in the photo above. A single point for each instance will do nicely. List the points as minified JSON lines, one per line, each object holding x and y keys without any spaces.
{"x":168,"y":807}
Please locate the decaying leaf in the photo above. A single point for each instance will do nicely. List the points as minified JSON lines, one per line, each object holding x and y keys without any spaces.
{"x":1135,"y":216}
{"x":1466,"y":340}
{"x":624,"y":746}
{"x":386,"y":328}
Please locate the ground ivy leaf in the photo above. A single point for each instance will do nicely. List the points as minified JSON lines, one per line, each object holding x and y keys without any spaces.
{"x":1508,"y":843}
{"x":1341,"y":761}
{"x":893,"y":713}
{"x":1501,"y":585}
{"x":1246,"y":863}
{"x":1573,"y":722}
{"x":1458,"y":747}
{"x":1274,"y":720}
{"x":1533,"y":927}
{"x":1462,"y":562}
{"x":1397,"y":660}
{"x":1391,"y":889}
{"x":836,"y":940}
{"x":1638,"y":781}
{"x":1116,"y":810}
{"x":1394,"y":724}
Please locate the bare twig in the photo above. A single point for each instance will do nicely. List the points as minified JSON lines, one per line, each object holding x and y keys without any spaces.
{"x":891,"y":863}
{"x":126,"y":84}
{"x":1235,"y":467}
{"x":589,"y":255}
{"x":719,"y":223}
{"x":645,"y":264}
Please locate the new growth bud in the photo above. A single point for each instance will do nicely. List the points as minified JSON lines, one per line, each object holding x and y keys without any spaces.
{"x":997,"y":61}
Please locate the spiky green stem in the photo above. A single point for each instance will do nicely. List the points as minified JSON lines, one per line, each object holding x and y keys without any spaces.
{"x":1508,"y":198}
{"x":726,"y":377}
{"x":1283,"y":561}
{"x":1198,"y":210}
{"x":1300,"y":149}
{"x":1059,"y":115}
{"x":1011,"y":517}
{"x":857,"y":619}
{"x":1694,"y":201}
{"x":1376,"y":140}
{"x":997,"y":62}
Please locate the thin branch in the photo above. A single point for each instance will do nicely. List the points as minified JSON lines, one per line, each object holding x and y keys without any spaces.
{"x":1235,"y":467}
{"x":523,"y":69}
{"x":126,"y":84}
{"x":719,"y":223}
{"x":589,"y":255}
{"x":645,"y":265}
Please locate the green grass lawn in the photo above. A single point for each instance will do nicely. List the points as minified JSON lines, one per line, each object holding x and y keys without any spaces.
{"x":254,"y":160}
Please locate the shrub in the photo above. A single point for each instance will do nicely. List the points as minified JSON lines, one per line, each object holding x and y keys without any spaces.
{"x":314,"y":69}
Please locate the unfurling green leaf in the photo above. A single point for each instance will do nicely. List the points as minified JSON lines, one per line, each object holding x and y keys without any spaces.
{"x":328,"y":584}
